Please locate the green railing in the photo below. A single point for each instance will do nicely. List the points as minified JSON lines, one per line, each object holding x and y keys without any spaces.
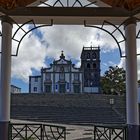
{"x":18,"y":131}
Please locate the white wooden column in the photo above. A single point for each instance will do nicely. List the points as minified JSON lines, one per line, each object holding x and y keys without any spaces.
{"x":131,"y":80}
{"x":5,"y":77}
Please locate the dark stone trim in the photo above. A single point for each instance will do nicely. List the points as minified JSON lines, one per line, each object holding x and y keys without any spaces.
{"x":37,"y":76}
{"x":70,"y":11}
{"x":133,"y":132}
{"x":7,"y":19}
{"x":15,"y":87}
{"x":129,"y":21}
{"x":4,"y":130}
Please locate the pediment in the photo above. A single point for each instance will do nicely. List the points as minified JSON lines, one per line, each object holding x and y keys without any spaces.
{"x":62,"y":61}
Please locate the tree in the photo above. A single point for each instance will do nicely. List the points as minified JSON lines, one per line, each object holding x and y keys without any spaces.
{"x":113,"y":81}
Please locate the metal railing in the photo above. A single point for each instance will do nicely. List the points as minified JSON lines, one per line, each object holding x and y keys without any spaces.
{"x":110,"y":132}
{"x":18,"y":131}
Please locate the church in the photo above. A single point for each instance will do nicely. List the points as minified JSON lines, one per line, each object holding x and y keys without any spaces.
{"x":63,"y":77}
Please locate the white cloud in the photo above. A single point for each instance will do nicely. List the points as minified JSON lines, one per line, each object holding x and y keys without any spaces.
{"x":34,"y":49}
{"x":71,"y":39}
{"x":122,"y":61}
{"x":32,"y":54}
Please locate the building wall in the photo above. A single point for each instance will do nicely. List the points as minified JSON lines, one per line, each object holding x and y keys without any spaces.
{"x":15,"y":89}
{"x":91,"y":89}
{"x":35,"y":86}
{"x":55,"y":79}
{"x":60,"y":77}
{"x":90,"y":64}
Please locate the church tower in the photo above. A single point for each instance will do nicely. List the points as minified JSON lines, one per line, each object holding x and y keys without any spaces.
{"x":90,"y":65}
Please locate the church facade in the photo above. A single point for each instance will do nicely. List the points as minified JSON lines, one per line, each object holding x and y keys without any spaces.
{"x":63,"y":77}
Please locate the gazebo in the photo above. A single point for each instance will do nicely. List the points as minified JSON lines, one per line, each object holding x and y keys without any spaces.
{"x":124,"y":12}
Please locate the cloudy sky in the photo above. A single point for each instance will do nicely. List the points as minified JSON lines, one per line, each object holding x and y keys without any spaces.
{"x":40,"y":47}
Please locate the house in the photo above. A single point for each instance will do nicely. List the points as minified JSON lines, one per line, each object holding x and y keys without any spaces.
{"x":15,"y":89}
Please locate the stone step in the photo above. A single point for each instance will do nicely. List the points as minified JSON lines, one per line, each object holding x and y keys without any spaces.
{"x":69,"y":115}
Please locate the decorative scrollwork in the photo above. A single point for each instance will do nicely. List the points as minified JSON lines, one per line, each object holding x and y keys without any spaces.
{"x":110,"y":132}
{"x":68,"y":3}
{"x":36,"y":131}
{"x":138,"y":37}
{"x":21,"y":28}
{"x":116,"y":29}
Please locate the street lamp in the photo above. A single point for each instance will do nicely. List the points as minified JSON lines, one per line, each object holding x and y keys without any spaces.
{"x":111,"y":101}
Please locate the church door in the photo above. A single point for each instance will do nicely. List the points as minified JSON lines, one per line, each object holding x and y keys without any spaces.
{"x":48,"y":88}
{"x":76,"y":88}
{"x":62,"y":88}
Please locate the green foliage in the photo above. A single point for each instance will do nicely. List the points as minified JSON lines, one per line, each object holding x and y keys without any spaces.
{"x":113,"y":81}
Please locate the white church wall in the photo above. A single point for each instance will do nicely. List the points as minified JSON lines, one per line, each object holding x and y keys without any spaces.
{"x":56,"y":69}
{"x":56,"y":87}
{"x":72,"y":90}
{"x":50,"y":70}
{"x":91,"y":89}
{"x":56,"y":77}
{"x":67,"y":77}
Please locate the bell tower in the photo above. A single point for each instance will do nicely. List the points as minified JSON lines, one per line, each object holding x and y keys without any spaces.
{"x":90,"y":65}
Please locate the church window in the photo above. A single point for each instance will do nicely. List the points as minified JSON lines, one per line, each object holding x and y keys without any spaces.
{"x":94,"y":55}
{"x":88,"y":55}
{"x":62,"y":76}
{"x":95,"y":76}
{"x":68,"y":85}
{"x":76,"y":89}
{"x":48,"y":88}
{"x":48,"y":76}
{"x":56,"y":86}
{"x":61,"y":69}
{"x":35,"y":88}
{"x":94,"y":65}
{"x":76,"y":76}
{"x":88,"y":65}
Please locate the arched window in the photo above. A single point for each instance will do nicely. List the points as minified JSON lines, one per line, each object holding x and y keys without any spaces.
{"x":61,"y":69}
{"x":88,"y":55}
{"x":94,"y":65}
{"x":94,"y":55}
{"x":61,"y":76}
{"x":88,"y":65}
